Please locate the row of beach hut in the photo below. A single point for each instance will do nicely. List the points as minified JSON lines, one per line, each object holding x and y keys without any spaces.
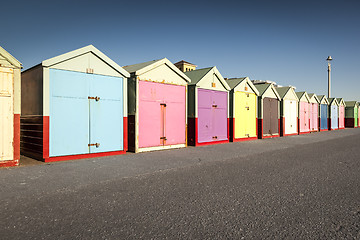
{"x":82,"y":104}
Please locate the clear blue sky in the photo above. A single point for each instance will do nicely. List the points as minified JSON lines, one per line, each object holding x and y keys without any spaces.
{"x":282,"y":41}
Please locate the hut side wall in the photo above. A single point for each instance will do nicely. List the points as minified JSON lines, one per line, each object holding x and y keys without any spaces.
{"x":31,"y":121}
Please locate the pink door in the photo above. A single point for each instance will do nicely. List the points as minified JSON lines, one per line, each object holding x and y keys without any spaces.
{"x":304,"y":117}
{"x":341,"y":117}
{"x":161,"y":114}
{"x":314,"y":116}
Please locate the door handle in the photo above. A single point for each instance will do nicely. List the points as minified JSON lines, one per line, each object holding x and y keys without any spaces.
{"x":215,"y":106}
{"x":94,"y":144}
{"x":95,"y":98}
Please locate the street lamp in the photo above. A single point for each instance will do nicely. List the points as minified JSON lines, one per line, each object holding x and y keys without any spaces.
{"x":329,"y":70}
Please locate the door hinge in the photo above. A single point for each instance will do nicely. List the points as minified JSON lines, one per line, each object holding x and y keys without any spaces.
{"x":94,"y":144}
{"x":96,"y":98}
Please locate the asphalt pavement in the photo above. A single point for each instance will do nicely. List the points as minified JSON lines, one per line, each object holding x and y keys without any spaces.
{"x":296,"y":187}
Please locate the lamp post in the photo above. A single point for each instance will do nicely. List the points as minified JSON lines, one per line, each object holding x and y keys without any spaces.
{"x":329,"y":70}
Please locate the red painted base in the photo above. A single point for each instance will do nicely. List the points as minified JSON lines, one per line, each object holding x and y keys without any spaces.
{"x":10,"y":163}
{"x":244,"y":139}
{"x":211,"y":143}
{"x":314,"y":131}
{"x":342,"y":128}
{"x":323,"y":130}
{"x":81,"y":156}
{"x":300,"y":133}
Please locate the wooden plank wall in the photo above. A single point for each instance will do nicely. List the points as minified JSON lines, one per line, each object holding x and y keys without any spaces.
{"x":31,"y":136}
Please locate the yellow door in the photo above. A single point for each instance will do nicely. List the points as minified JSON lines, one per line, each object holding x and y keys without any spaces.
{"x":6,"y":113}
{"x":245,"y":115}
{"x":240,"y":113}
{"x":251,"y":103}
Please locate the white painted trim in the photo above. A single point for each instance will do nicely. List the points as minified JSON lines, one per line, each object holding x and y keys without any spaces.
{"x":157,"y":148}
{"x":159,"y":63}
{"x":90,"y":48}
{"x":13,"y":61}
{"x":46,"y":92}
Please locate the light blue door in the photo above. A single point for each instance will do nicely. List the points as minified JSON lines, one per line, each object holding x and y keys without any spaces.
{"x":106,"y":114}
{"x":334,"y":117}
{"x":77,"y":120}
{"x":69,"y":113}
{"x":324,"y":116}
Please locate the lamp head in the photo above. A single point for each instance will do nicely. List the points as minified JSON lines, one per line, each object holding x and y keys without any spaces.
{"x":329,"y":58}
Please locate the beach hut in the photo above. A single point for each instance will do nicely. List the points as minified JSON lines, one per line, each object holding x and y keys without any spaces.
{"x":323,"y":113}
{"x":208,"y":115}
{"x":304,"y":113}
{"x":268,"y":110}
{"x":333,"y":121}
{"x":74,"y":106}
{"x":314,"y":112}
{"x":243,"y":109}
{"x":351,"y":114}
{"x":288,"y":111}
{"x":342,"y":106}
{"x":157,"y":96}
{"x":10,"y":95}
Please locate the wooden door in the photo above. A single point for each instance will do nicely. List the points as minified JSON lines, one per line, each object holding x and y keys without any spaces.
{"x":240,"y":111}
{"x":324,"y":117}
{"x":341,"y":116}
{"x":334,"y":117}
{"x":274,"y":116}
{"x":6,"y":114}
{"x":205,"y":111}
{"x":290,"y":114}
{"x":251,"y":114}
{"x":266,"y":116}
{"x":161,"y":115}
{"x":106,"y":113}
{"x":69,"y":113}
{"x":212,"y":115}
{"x":356,"y":116}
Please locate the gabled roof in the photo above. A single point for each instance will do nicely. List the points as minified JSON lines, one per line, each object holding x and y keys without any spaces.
{"x":282,"y":91}
{"x":341,"y":101}
{"x":351,"y":103}
{"x":234,"y":82}
{"x":333,"y":100}
{"x":81,"y":51}
{"x":141,"y":68}
{"x":303,"y":94}
{"x":323,"y":97}
{"x":197,"y":75}
{"x":313,"y":96}
{"x":263,"y":87}
{"x":13,"y":61}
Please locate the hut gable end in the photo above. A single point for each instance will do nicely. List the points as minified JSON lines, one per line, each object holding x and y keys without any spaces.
{"x":213,"y":81}
{"x":163,"y":74}
{"x":86,"y":60}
